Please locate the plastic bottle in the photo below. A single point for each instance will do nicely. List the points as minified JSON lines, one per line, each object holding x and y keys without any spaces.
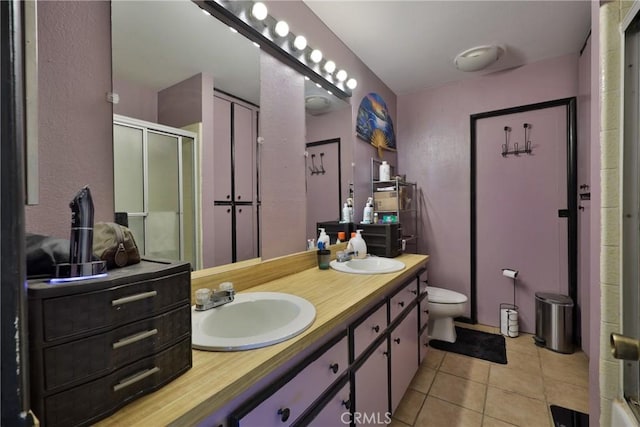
{"x":367,"y":214}
{"x":346,"y":213}
{"x":385,"y":171}
{"x":341,"y":237}
{"x":323,"y":238}
{"x":358,"y":245}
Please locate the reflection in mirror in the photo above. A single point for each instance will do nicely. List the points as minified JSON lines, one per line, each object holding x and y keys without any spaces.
{"x":162,"y":71}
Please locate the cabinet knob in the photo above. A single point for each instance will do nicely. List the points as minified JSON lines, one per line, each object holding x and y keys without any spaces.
{"x":397,"y":340}
{"x":284,"y":414}
{"x":385,"y":353}
{"x":346,"y":404}
{"x":376,"y":329}
{"x":413,"y":291}
{"x":228,"y":196}
{"x":228,"y":210}
{"x":239,"y":197}
{"x":426,"y":311}
{"x":401,"y":303}
{"x":239,"y":210}
{"x":334,"y":368}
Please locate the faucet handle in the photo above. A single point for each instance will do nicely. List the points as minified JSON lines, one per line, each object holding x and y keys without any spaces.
{"x":226,"y":286}
{"x":202,"y":296}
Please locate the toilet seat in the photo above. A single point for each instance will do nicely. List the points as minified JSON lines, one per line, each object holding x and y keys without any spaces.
{"x":445,"y":296}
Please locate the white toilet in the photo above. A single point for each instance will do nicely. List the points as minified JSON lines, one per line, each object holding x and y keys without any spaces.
{"x":444,"y":305}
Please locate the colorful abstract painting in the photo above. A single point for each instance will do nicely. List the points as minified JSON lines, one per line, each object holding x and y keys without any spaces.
{"x":374,"y":123}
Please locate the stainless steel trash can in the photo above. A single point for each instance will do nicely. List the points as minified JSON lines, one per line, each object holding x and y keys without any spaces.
{"x":554,"y":322}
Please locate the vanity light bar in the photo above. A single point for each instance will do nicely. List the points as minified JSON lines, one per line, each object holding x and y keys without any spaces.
{"x":288,"y":48}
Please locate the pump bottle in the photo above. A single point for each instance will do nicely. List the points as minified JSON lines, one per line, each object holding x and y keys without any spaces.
{"x":367,"y":214}
{"x":323,"y":238}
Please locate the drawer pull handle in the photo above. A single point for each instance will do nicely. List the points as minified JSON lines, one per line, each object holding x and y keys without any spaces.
{"x":397,"y":340}
{"x":132,"y":298}
{"x":346,"y":403}
{"x":284,"y":414}
{"x":385,"y":353}
{"x":376,"y":329}
{"x":334,"y":368}
{"x":133,"y":338}
{"x":401,"y":303}
{"x":413,"y":291}
{"x":135,"y":378}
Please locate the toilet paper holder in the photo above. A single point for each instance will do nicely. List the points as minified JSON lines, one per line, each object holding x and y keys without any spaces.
{"x":508,"y":313}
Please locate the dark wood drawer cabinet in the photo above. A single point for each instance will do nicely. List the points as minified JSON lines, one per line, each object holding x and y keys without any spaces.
{"x":95,"y":345}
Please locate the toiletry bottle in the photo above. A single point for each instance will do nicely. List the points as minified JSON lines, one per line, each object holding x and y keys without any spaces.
{"x":323,"y":238}
{"x":358,"y":245}
{"x":350,"y":206}
{"x":324,"y":256}
{"x":367,"y":214}
{"x":385,"y":171}
{"x":346,"y":217}
{"x":341,"y":237}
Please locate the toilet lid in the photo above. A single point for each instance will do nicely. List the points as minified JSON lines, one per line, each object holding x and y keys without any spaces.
{"x":445,"y":296}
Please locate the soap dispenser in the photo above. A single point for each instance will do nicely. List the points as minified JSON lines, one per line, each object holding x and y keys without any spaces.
{"x":323,"y":238}
{"x":367,"y":214}
{"x":346,"y":214}
{"x":358,"y":245}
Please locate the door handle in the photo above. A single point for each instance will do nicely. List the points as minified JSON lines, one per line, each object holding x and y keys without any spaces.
{"x":623,"y":347}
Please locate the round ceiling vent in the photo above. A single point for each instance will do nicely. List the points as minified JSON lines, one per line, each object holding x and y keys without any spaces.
{"x":478,"y":58}
{"x":317,"y":103}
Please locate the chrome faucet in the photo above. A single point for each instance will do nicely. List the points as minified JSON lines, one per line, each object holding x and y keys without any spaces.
{"x":345,"y":256}
{"x":207,"y":298}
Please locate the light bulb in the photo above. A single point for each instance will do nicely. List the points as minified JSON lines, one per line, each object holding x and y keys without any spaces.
{"x":300,"y":42}
{"x":282,"y":28}
{"x":341,"y":75}
{"x":316,"y":56}
{"x":330,"y":67}
{"x":259,"y":11}
{"x":206,"y":12}
{"x":352,"y":83}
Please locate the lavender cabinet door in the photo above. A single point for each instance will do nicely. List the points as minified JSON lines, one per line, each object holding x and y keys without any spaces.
{"x":401,"y":300}
{"x":336,"y":412}
{"x":246,"y":244}
{"x":366,"y":332}
{"x":222,"y":149}
{"x":244,"y":137}
{"x":424,"y":345}
{"x":289,"y":402}
{"x":404,"y":356}
{"x":371,"y":388}
{"x":222,"y":250}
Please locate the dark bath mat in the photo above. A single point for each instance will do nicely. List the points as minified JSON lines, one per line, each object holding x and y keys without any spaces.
{"x":478,"y":344}
{"x":563,"y":417}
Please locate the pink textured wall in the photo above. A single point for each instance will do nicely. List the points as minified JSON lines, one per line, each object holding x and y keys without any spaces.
{"x":433,"y":128}
{"x":283,"y":210}
{"x":136,"y":101}
{"x":75,"y":119}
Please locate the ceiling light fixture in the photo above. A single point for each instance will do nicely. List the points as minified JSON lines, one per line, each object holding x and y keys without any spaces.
{"x":316,"y":55}
{"x":330,"y":67}
{"x":300,"y":42}
{"x":282,"y":28}
{"x":252,"y":20}
{"x":259,"y":11}
{"x":478,"y":58}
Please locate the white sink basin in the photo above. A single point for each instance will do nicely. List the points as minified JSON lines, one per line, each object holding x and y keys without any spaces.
{"x":252,"y":320}
{"x":369,"y":265}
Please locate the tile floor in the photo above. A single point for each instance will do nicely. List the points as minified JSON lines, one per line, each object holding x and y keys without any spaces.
{"x":453,"y":390}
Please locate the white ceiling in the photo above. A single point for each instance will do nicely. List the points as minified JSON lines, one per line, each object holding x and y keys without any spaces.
{"x":410,"y":45}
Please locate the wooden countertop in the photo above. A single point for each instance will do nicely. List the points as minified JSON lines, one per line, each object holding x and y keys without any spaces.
{"x":218,"y":377}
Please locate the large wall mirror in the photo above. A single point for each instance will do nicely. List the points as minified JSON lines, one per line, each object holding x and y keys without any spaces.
{"x":160,"y":45}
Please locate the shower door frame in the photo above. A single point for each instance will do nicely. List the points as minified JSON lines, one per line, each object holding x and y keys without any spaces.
{"x":572,"y":199}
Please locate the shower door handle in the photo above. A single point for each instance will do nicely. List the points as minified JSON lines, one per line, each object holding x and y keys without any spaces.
{"x":623,"y":347}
